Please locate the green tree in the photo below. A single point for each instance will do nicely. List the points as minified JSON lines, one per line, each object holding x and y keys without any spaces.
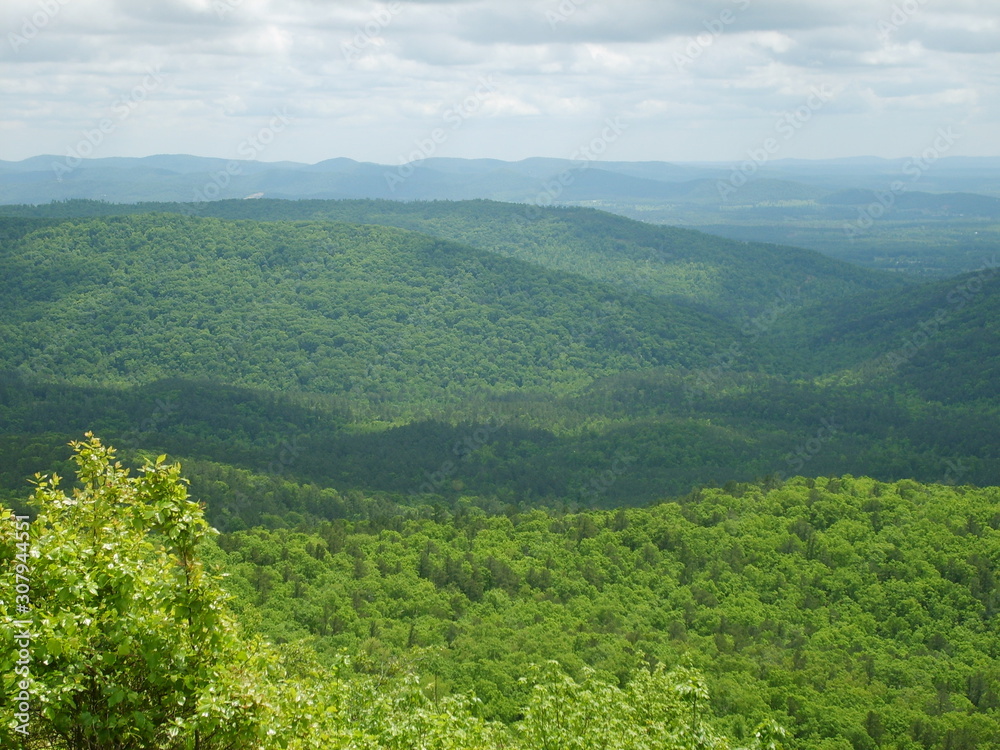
{"x":131,"y":646}
{"x":658,"y":710}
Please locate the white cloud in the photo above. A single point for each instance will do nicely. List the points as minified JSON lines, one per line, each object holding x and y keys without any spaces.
{"x":360,"y":79}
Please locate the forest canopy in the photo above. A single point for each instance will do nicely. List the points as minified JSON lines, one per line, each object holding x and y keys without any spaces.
{"x":132,"y":644}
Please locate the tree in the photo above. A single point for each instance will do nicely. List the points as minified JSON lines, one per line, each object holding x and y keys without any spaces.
{"x":658,"y":710}
{"x":131,"y":643}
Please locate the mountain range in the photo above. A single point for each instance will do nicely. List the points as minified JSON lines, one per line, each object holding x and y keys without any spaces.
{"x":375,"y":336}
{"x":929,"y":216}
{"x":445,"y":440}
{"x":42,"y":179}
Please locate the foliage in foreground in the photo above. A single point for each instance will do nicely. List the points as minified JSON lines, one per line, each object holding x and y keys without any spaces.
{"x":132,"y":646}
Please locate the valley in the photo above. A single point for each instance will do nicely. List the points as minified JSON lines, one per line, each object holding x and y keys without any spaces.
{"x":601,"y":442}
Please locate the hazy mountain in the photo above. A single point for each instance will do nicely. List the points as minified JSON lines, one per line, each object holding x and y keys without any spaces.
{"x":177,"y":177}
{"x":929,"y":219}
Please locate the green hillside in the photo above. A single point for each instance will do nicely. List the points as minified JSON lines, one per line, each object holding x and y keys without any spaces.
{"x":122,"y":636}
{"x":496,"y":479}
{"x":319,"y":307}
{"x":256,"y":457}
{"x":373,"y":359}
{"x":939,"y":340}
{"x":812,"y":614}
{"x":737,"y":279}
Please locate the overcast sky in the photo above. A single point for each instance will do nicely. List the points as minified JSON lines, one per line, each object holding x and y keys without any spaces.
{"x":675,"y":80}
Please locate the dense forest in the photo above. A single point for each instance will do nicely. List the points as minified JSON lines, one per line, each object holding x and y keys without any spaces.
{"x":378,"y":359}
{"x":841,"y":607}
{"x":737,"y":279}
{"x":826,"y":613}
{"x":495,"y":476}
{"x":125,"y":637}
{"x":306,"y":306}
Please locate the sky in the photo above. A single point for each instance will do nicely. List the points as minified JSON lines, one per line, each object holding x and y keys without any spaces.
{"x":399,"y":81}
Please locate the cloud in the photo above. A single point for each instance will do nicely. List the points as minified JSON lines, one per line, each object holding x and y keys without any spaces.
{"x":364,"y":79}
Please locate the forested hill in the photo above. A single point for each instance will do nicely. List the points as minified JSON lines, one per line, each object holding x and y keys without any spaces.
{"x":859,"y":614}
{"x":319,"y":307}
{"x":940,"y":340}
{"x":374,"y":351}
{"x":736,"y":279}
{"x":406,"y":437}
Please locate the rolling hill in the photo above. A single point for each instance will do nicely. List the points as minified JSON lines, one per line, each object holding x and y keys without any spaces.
{"x":940,"y":339}
{"x":735,"y":279}
{"x":316,"y":307}
{"x":405,"y":417}
{"x":361,"y":357}
{"x":936,"y":221}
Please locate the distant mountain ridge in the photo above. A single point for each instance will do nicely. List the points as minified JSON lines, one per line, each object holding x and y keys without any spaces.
{"x":181,"y":177}
{"x":868,"y":211}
